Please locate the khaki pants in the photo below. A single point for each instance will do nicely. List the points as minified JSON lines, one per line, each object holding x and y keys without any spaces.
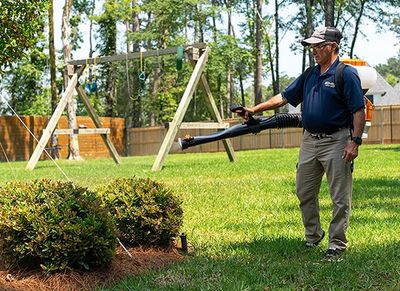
{"x":319,"y":156}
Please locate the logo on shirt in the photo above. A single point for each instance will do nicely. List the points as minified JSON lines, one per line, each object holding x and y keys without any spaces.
{"x":329,"y":84}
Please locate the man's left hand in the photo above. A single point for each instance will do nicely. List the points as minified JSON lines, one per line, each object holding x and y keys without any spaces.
{"x":350,"y":152}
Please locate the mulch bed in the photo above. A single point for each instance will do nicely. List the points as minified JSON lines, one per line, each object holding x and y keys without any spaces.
{"x":121,"y":267}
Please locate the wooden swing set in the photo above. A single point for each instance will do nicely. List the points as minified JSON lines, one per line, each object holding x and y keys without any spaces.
{"x":196,"y":53}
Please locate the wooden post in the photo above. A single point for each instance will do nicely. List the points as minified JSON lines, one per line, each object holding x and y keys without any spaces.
{"x":97,"y":123}
{"x":180,"y":113}
{"x":215,"y":114}
{"x":52,"y":123}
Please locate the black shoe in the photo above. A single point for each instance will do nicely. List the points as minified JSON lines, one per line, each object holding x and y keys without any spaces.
{"x":332,"y":253}
{"x":311,"y":245}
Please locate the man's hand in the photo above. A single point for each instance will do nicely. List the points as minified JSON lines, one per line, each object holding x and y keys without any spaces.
{"x":350,"y":152}
{"x":243,"y":112}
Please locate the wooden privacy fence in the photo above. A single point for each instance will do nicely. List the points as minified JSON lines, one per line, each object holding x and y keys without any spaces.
{"x":19,"y":145}
{"x":385,"y":129}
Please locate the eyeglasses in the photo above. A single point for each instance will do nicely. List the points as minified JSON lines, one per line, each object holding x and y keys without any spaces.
{"x":319,"y":46}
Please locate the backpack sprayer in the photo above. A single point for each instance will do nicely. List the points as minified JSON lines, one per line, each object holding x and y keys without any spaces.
{"x":368,"y":77}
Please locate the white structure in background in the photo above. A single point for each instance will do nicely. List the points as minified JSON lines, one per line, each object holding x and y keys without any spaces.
{"x":392,"y":97}
{"x":382,"y":93}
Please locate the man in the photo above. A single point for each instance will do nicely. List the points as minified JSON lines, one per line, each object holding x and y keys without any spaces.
{"x":333,"y":126}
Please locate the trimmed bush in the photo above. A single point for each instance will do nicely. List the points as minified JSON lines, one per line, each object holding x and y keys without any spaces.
{"x":146,"y":212}
{"x":54,"y":225}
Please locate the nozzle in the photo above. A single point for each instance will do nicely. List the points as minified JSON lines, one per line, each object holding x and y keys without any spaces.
{"x":184,"y":142}
{"x":181,"y":143}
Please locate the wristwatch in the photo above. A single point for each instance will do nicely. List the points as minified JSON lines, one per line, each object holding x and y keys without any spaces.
{"x":357,"y":140}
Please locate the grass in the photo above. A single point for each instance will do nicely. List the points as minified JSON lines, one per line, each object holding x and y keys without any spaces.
{"x":244,"y":224}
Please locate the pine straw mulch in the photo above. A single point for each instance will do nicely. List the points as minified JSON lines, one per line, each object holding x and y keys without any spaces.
{"x":121,"y":267}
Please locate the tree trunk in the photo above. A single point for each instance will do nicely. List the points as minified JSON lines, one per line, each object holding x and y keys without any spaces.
{"x":111,"y":90}
{"x":133,"y":107}
{"x":329,"y":12}
{"x":309,"y":30}
{"x":136,"y":108}
{"x":276,"y":85}
{"x":219,"y":77}
{"x":200,"y":22}
{"x":71,"y":108}
{"x":229,"y":74}
{"x":156,"y":80}
{"x":53,"y":85}
{"x":357,"y":28}
{"x":258,"y":68}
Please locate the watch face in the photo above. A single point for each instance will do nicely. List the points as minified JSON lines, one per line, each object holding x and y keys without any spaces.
{"x":357,"y":140}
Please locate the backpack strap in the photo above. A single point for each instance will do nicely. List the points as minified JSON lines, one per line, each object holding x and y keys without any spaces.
{"x":303,"y":77}
{"x":339,"y":83}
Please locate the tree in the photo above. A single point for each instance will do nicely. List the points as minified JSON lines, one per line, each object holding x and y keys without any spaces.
{"x":381,"y":13}
{"x":53,"y":84}
{"x":328,"y":7}
{"x":26,"y":70}
{"x":24,"y":85}
{"x":391,"y":70}
{"x":21,"y":23}
{"x":258,"y":54}
{"x":107,"y":45}
{"x":71,"y":108}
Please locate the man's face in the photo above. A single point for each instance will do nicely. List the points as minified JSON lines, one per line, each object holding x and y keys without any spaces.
{"x":322,"y":52}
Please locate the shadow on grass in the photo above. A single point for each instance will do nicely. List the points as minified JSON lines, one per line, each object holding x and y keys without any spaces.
{"x":381,"y":148}
{"x":278,"y":263}
{"x":377,"y":192}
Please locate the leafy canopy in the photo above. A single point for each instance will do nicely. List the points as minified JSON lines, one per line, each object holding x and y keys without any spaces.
{"x":20,"y":23}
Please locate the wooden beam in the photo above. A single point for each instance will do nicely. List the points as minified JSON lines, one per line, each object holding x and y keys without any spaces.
{"x":82,"y":131}
{"x":136,"y":55}
{"x":215,"y":114}
{"x":201,"y":125}
{"x":180,"y":112}
{"x":52,"y":122}
{"x":92,"y":113}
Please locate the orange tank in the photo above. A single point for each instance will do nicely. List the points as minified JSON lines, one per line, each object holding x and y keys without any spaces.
{"x":369,"y":109}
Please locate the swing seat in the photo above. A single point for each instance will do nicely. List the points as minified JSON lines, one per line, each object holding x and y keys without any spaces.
{"x":87,"y":87}
{"x":91,"y":87}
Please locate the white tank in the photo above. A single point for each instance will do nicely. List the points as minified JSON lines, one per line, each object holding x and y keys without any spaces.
{"x":368,"y":76}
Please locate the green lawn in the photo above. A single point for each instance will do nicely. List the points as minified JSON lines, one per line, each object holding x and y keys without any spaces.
{"x":245,"y":226}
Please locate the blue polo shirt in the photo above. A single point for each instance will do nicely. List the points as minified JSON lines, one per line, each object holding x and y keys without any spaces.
{"x":323,"y":109}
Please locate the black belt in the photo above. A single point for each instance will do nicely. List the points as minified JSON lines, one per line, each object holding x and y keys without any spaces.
{"x":328,"y":133}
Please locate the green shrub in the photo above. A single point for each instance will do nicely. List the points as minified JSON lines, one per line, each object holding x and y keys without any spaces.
{"x":55,"y":225}
{"x":146,"y":212}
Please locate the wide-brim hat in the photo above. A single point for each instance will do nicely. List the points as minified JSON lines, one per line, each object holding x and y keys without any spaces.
{"x":323,"y":34}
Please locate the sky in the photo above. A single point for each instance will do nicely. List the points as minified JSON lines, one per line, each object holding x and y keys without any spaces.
{"x":375,"y":48}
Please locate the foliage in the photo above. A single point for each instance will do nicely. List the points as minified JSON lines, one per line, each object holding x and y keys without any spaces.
{"x":391,"y":70}
{"x":107,"y":45}
{"x":146,"y":212}
{"x":285,"y":81}
{"x":20,"y":24}
{"x":24,"y":83}
{"x":152,"y":24}
{"x":56,"y":225}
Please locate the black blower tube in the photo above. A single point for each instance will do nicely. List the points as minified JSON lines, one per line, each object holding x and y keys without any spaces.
{"x":253,"y":125}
